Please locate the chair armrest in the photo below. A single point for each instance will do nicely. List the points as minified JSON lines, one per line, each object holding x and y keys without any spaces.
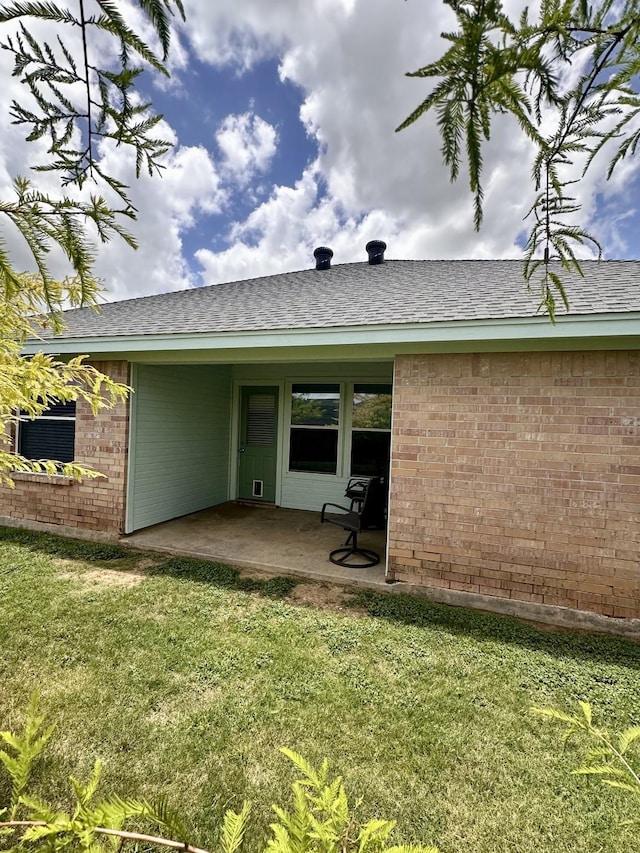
{"x":356,"y":486}
{"x":335,"y":506}
{"x":358,"y":482}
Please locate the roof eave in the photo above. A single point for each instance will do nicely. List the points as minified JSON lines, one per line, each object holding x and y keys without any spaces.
{"x":540,"y":329}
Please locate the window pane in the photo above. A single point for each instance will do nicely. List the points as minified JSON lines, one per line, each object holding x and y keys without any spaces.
{"x":58,"y":410}
{"x":372,"y":388}
{"x":370,"y":453}
{"x":372,"y":407}
{"x":45,"y":439}
{"x":313,"y":450}
{"x":315,"y":405}
{"x":61,"y":410}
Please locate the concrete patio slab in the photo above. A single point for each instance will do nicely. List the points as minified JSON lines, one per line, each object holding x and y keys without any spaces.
{"x":263,"y":538}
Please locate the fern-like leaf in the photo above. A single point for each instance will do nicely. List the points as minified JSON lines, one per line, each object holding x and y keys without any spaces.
{"x":311,"y":776}
{"x":627,"y":737}
{"x":374,"y":834}
{"x":234,"y":826}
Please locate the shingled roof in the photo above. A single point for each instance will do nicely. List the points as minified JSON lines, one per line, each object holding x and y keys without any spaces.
{"x":357,"y":294}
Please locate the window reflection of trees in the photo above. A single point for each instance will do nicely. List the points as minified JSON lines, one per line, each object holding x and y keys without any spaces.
{"x":371,"y":430}
{"x":313,"y":440}
{"x":309,"y":411}
{"x":371,"y":411}
{"x":315,"y":425}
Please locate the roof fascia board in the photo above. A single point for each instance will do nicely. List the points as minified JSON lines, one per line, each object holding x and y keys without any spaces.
{"x":454,"y":332}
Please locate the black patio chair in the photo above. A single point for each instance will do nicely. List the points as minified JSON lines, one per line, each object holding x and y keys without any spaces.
{"x":365,"y":496}
{"x":375,"y":517}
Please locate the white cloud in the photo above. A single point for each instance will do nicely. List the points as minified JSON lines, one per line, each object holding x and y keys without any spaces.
{"x":368,"y":182}
{"x":239,"y":33}
{"x":248,"y":144}
{"x":167,"y":206}
{"x":348,"y":59}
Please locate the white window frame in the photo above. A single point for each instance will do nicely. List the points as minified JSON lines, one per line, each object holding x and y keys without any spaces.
{"x":349,"y":438}
{"x":338,"y":428}
{"x":345,"y":422}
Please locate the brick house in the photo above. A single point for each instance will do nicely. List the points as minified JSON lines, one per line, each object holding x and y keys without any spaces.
{"x":511,"y":445}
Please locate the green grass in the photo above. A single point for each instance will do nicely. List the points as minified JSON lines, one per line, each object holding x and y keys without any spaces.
{"x":185,"y":677}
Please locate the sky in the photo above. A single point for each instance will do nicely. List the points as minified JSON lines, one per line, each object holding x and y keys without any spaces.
{"x":283,"y":117}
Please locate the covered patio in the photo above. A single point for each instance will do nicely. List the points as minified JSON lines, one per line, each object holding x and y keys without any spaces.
{"x":263,"y":538}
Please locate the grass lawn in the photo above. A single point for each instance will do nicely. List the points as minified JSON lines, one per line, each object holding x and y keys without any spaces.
{"x":185,"y":679}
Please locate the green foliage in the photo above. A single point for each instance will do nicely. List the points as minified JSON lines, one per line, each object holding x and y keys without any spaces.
{"x":307,"y":411}
{"x":572,"y":68}
{"x":24,"y":750}
{"x":28,"y":386}
{"x":480,"y":77}
{"x":234,"y":826}
{"x":609,"y":759}
{"x":87,"y":825}
{"x":74,"y":102}
{"x":320,"y":820}
{"x":90,"y":824}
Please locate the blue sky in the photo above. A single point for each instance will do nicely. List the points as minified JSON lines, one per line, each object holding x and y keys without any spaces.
{"x":283,"y":116}
{"x":207,"y":95}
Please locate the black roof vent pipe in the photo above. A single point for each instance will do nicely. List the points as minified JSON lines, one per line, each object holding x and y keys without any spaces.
{"x":375,"y":250}
{"x":323,"y":257}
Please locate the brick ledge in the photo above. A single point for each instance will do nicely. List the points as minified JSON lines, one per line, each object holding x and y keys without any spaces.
{"x":52,"y":479}
{"x":552,"y":614}
{"x":60,"y":529}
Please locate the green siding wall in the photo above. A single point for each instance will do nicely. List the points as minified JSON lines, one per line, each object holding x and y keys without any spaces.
{"x":310,"y":491}
{"x":179,"y":446}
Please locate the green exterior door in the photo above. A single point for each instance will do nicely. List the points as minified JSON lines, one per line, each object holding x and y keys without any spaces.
{"x":257,"y":446}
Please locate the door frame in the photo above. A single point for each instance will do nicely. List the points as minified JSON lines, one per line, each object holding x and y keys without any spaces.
{"x":236,"y":415}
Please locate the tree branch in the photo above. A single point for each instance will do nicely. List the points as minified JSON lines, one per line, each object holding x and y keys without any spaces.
{"x":116,"y":833}
{"x":85,"y":49}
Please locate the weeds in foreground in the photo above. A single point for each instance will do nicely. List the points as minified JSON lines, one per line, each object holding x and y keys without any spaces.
{"x":320,"y":820}
{"x":609,"y":758}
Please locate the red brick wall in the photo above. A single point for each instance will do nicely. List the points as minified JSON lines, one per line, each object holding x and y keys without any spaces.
{"x":95,"y":505}
{"x":518,"y":475}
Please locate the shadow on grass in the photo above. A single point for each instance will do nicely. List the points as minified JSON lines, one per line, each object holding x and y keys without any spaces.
{"x":60,"y":546}
{"x":406,"y":609}
{"x":487,"y":627}
{"x":187,"y":568}
{"x":221,"y":575}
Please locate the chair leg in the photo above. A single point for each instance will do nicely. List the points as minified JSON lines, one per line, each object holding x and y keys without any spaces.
{"x":352,"y":557}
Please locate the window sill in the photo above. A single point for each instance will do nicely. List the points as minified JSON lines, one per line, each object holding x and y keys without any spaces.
{"x":304,"y":474}
{"x":51,"y":479}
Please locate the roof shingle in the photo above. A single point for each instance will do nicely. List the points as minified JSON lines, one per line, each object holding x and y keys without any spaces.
{"x":357,"y":294}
